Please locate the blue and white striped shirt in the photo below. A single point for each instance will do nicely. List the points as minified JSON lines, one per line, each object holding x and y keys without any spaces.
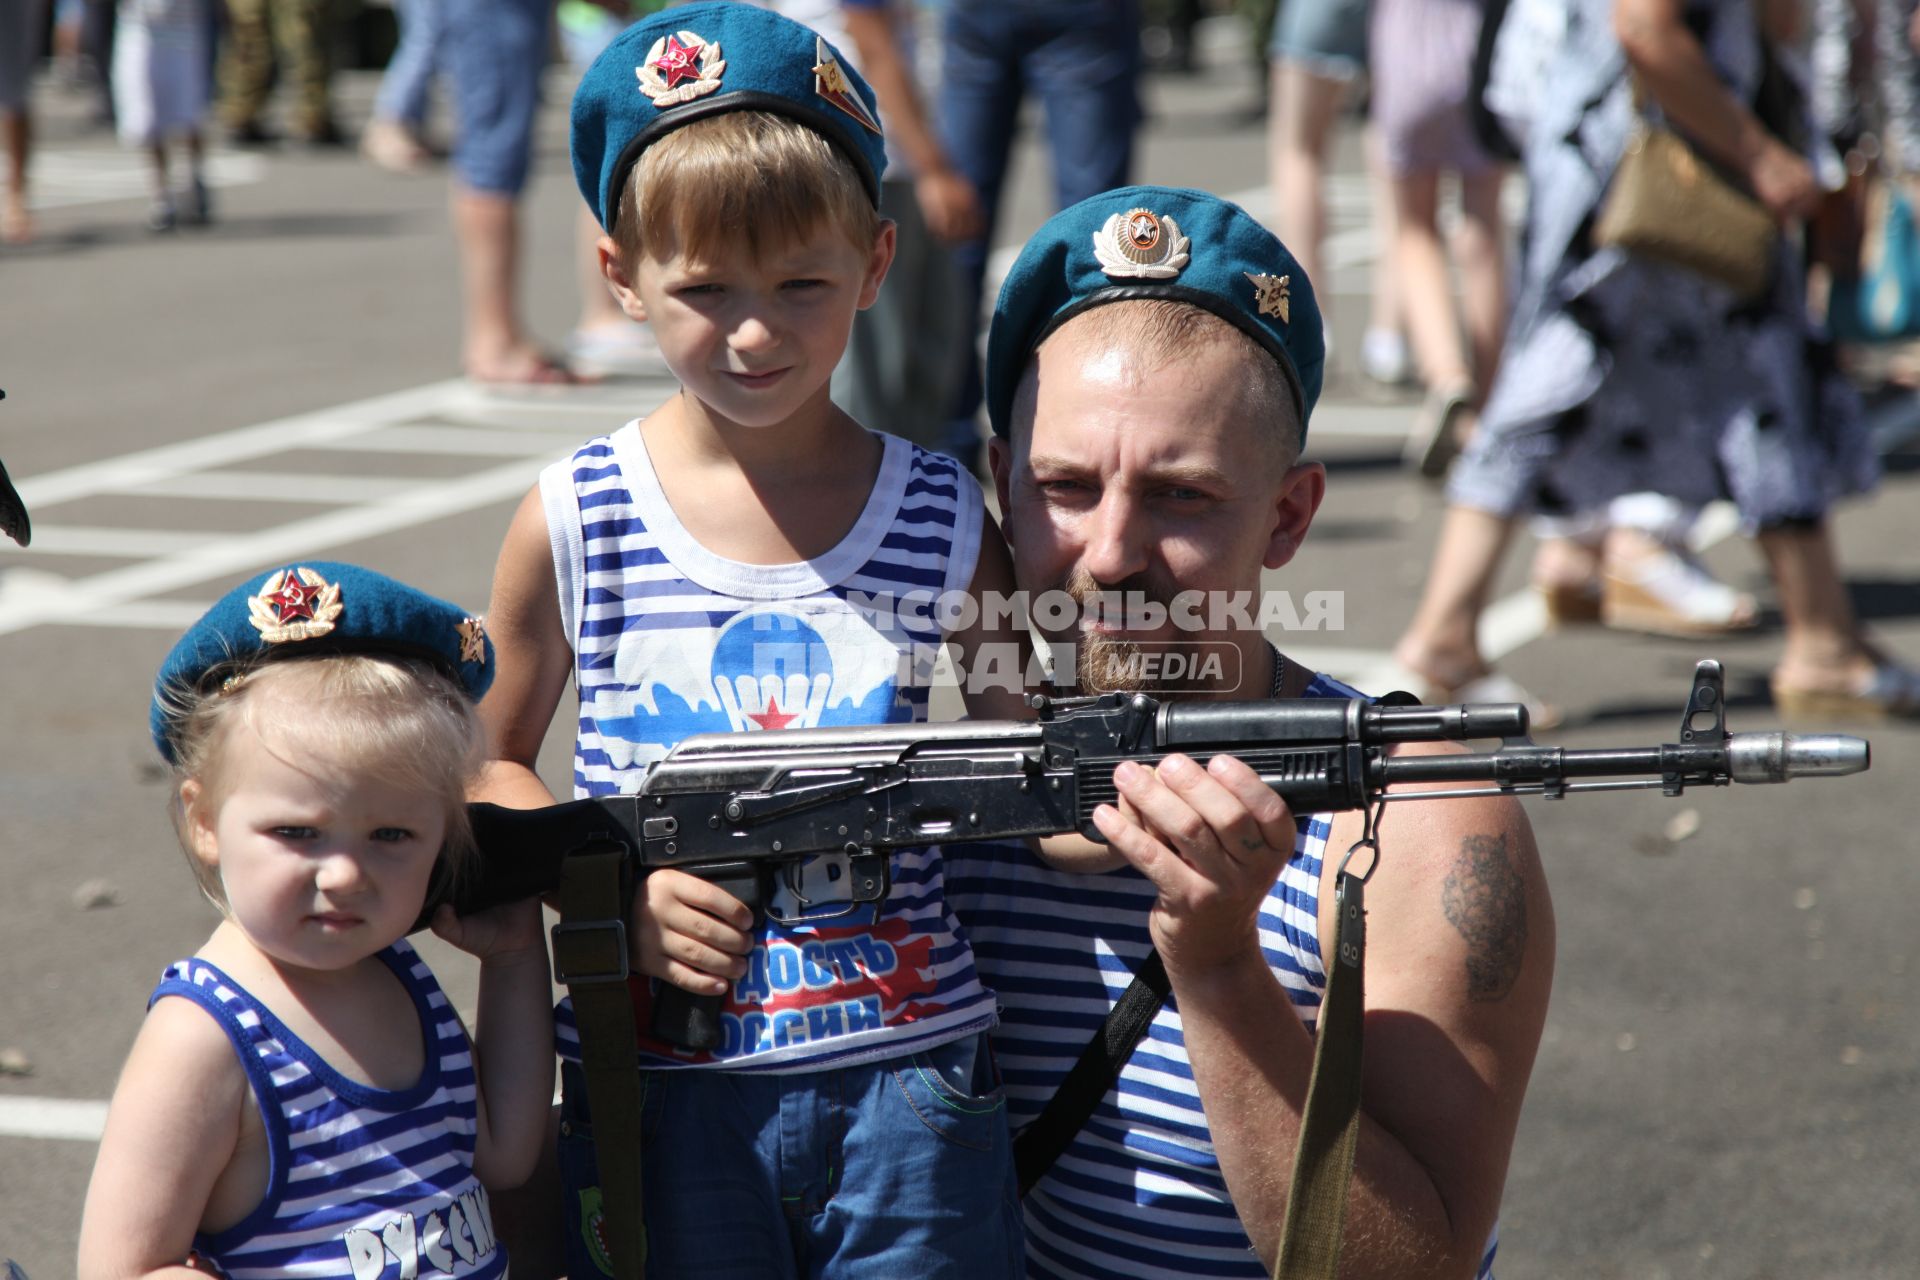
{"x":670,"y":640}
{"x":1139,"y":1192}
{"x":363,"y":1183}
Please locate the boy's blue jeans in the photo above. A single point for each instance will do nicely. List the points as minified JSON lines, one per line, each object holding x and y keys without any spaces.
{"x":891,"y":1169}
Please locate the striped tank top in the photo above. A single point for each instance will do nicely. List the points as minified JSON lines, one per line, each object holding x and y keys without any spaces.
{"x":670,"y":639}
{"x":363,"y":1183}
{"x":1139,"y":1192}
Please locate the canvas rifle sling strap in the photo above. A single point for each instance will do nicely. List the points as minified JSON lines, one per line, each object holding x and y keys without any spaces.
{"x":590,"y":957}
{"x":1041,"y":1142}
{"x":1330,"y":1121}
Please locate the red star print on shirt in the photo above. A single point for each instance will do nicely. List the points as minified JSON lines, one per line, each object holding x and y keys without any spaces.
{"x":772,"y":717}
{"x":678,"y":62}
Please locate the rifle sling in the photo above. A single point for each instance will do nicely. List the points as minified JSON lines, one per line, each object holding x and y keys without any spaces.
{"x":590,"y":957}
{"x":1041,"y":1142}
{"x":1330,"y":1121}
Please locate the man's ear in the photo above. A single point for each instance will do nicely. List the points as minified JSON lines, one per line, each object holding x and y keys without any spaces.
{"x":879,"y":262}
{"x":1294,"y":504}
{"x":618,"y":280}
{"x":1000,"y":463}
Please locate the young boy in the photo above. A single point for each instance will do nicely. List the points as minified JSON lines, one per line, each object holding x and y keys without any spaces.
{"x":748,"y":557}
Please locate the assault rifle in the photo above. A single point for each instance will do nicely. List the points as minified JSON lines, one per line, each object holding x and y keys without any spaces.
{"x":798,"y":824}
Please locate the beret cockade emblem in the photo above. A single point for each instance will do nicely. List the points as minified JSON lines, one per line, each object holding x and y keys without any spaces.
{"x":294,"y":604}
{"x":1141,"y":245}
{"x":679,"y":68}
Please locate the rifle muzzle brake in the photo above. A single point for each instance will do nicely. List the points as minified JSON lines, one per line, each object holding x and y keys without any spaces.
{"x":1776,"y":757}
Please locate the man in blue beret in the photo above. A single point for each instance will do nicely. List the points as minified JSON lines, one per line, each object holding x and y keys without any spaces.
{"x":1152,"y":365}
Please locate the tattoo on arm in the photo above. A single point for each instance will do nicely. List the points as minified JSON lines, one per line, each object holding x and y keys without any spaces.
{"x":1486,"y":900}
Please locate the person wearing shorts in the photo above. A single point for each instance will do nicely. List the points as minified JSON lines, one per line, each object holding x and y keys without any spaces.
{"x":1319,"y":50}
{"x":496,"y":50}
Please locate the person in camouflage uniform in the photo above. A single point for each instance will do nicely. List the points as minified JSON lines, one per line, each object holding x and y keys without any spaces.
{"x":300,"y":34}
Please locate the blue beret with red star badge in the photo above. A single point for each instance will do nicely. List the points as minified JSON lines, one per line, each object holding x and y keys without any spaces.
{"x":1156,"y":242}
{"x":319,"y":607}
{"x":695,"y":60}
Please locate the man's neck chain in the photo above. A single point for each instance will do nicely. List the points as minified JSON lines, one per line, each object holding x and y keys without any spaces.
{"x":1279,"y":671}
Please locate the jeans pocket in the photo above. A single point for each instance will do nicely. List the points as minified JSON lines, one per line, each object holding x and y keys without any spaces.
{"x":931,"y":1083}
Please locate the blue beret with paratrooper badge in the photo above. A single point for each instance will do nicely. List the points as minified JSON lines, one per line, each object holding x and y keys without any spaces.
{"x":691,"y":61}
{"x":1156,"y":242}
{"x":317,"y":608}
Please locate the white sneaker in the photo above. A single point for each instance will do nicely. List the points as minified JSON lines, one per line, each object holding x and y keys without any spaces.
{"x":1384,"y":358}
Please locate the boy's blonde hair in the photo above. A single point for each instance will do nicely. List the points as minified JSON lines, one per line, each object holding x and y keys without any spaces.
{"x":740,"y":177}
{"x":402,"y":717}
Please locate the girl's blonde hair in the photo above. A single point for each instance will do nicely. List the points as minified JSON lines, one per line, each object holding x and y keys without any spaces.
{"x":402,"y":717}
{"x":741,"y":177}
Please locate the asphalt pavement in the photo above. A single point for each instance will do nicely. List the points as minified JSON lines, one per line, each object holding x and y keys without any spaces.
{"x":1727,"y":1085}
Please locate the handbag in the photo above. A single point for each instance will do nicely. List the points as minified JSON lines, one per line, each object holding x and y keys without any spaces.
{"x":1668,"y":204}
{"x":1883,"y":303}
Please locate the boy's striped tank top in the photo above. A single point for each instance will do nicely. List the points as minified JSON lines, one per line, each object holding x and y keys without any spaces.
{"x":671,"y":639}
{"x":363,"y":1183}
{"x":1139,"y":1193}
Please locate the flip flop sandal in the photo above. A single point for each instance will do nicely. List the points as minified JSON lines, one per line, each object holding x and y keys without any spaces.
{"x":544,"y":374}
{"x":1892,"y":691}
{"x":1435,"y":442}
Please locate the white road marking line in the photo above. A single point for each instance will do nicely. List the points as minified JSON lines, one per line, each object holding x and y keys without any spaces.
{"x":270,"y":486}
{"x":75,"y":1120}
{"x":95,"y":540}
{"x":604,"y":406}
{"x":226,"y":556}
{"x":156,"y":615}
{"x":117,"y":475}
{"x":62,"y":179}
{"x":460,"y":441}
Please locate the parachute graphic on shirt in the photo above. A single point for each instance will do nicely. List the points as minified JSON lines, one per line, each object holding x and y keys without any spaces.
{"x":786,"y":667}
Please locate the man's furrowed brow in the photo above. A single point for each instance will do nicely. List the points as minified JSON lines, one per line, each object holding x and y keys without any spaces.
{"x":1180,"y":474}
{"x":1053,"y":464}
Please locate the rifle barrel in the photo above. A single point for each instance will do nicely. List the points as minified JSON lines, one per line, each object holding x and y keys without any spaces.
{"x":1739,"y":757}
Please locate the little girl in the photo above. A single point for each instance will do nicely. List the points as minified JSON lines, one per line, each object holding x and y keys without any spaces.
{"x":302,"y":1098}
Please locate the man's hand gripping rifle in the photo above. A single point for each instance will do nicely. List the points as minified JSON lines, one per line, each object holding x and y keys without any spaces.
{"x":798,"y":824}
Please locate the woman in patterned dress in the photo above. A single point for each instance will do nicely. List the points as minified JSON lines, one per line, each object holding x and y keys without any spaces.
{"x":1623,"y":375}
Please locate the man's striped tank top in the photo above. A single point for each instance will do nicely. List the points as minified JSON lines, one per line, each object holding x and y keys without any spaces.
{"x":670,"y":640}
{"x":363,"y":1183}
{"x":1139,"y":1192}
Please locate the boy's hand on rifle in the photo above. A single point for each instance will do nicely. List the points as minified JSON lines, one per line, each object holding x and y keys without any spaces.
{"x":1213,"y":841}
{"x":690,"y":933}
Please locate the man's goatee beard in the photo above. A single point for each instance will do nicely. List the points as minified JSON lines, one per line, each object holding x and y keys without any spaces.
{"x":1102,"y":663}
{"x":1105,"y":665}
